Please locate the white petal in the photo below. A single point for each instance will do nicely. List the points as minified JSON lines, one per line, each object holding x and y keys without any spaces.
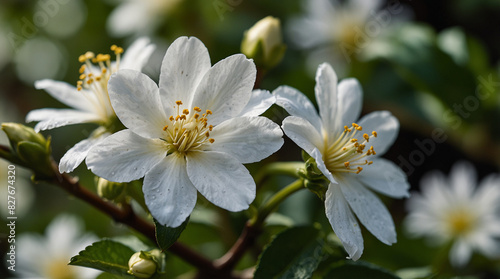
{"x":125,"y":156}
{"x":460,"y":253}
{"x":316,"y":154}
{"x":169,"y":194}
{"x":362,"y":9}
{"x":259,"y":102}
{"x":386,"y":126}
{"x":488,"y":245}
{"x":136,"y":100}
{"x":488,"y":192}
{"x":463,"y":180}
{"x":248,"y":139}
{"x":221,"y":179}
{"x":183,"y":67}
{"x":350,"y":99}
{"x":75,"y":156}
{"x":297,"y":104}
{"x":385,"y":177}
{"x":127,"y":18}
{"x":65,"y":93}
{"x":137,"y":54}
{"x":54,"y":118}
{"x":326,"y":97}
{"x":369,"y":210}
{"x":438,"y":195}
{"x":343,"y":222}
{"x":299,"y":30}
{"x":226,"y":88}
{"x":301,"y":132}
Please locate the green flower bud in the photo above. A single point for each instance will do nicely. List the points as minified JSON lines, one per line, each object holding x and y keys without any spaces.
{"x":29,"y":149}
{"x":109,"y":190}
{"x":263,"y":43}
{"x":18,"y":133}
{"x":142,"y":265}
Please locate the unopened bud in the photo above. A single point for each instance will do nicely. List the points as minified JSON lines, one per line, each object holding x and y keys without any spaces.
{"x":263,"y":43}
{"x":29,"y":149}
{"x":142,"y":265}
{"x":110,"y":190}
{"x":17,"y":133}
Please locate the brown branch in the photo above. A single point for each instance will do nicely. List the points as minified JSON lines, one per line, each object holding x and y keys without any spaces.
{"x":127,"y":216}
{"x":247,"y":238}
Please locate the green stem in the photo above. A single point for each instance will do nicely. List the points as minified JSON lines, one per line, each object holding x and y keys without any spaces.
{"x":275,"y":200}
{"x":278,"y":168}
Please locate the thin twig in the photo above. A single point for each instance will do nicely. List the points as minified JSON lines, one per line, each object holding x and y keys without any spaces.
{"x":128,"y":217}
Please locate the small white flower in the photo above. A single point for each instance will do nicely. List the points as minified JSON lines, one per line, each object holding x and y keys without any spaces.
{"x":48,"y":256}
{"x":191,"y":134}
{"x":139,"y":16}
{"x":89,"y":101}
{"x":335,"y":32}
{"x":455,"y":210}
{"x":348,"y":155}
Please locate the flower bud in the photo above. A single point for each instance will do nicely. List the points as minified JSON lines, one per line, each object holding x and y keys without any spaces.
{"x":17,"y":133}
{"x":263,"y":43}
{"x":110,"y":190}
{"x":29,"y":149}
{"x":142,"y":265}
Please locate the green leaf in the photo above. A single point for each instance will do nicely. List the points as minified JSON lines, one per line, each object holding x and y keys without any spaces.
{"x":105,"y":275}
{"x":166,"y":236}
{"x":350,"y":269}
{"x":293,"y":253}
{"x":106,"y":255}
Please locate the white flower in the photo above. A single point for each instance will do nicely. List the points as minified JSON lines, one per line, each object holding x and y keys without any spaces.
{"x":335,"y":32}
{"x":347,"y":154}
{"x":89,"y":100}
{"x":48,"y":256}
{"x":454,"y":210}
{"x":191,"y":134}
{"x":139,"y":16}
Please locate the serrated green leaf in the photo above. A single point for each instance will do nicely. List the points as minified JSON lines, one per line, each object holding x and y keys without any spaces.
{"x":166,"y":236}
{"x":293,"y":253}
{"x":106,"y":255}
{"x":350,"y":269}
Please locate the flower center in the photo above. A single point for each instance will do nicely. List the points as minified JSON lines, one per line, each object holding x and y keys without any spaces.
{"x":94,"y":76}
{"x":59,"y":269}
{"x":460,"y":222}
{"x":188,"y":130}
{"x":347,"y":153}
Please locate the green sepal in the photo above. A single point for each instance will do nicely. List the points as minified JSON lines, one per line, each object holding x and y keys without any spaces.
{"x":166,"y":236}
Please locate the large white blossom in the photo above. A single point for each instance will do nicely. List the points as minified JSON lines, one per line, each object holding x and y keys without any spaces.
{"x":89,"y":101}
{"x":191,"y":134}
{"x":455,"y":210}
{"x":47,"y":256}
{"x":347,"y":153}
